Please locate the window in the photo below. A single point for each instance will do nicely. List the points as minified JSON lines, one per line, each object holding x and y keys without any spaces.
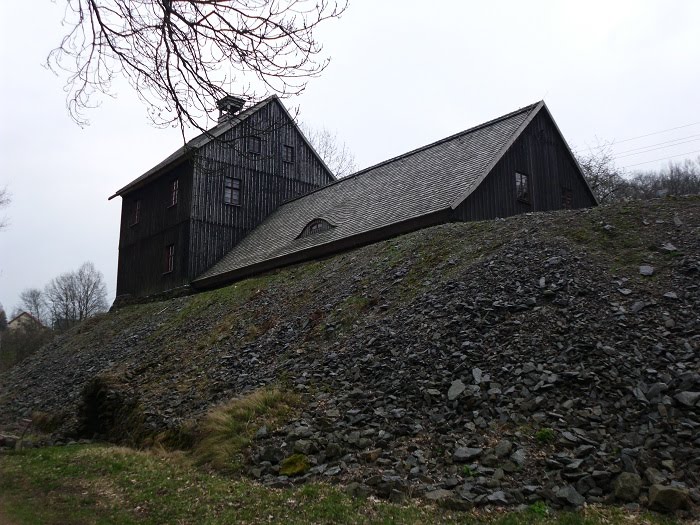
{"x":288,"y":154}
{"x":254,"y":145}
{"x":173,"y":193}
{"x":522,"y":187}
{"x":567,"y":199}
{"x":169,"y":258}
{"x":315,"y":226}
{"x":232,"y":191}
{"x":136,"y":213}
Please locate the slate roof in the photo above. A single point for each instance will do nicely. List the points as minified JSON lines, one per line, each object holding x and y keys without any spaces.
{"x":424,"y":181}
{"x":195,"y":143}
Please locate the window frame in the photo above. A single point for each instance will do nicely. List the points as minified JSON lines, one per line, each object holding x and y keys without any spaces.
{"x":288,"y":154}
{"x":567,"y":199}
{"x":136,"y":213}
{"x":315,"y":227}
{"x":169,"y":259}
{"x":234,"y":197}
{"x":254,"y":145}
{"x":526,"y":196}
{"x":174,"y":192}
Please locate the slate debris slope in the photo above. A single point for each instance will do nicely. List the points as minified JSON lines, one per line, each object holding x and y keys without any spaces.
{"x":572,"y":377}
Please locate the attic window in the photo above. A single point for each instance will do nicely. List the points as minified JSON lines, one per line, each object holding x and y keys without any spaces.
{"x":232,"y":191}
{"x":288,"y":154}
{"x":136,"y":214}
{"x":522,"y":187}
{"x":173,"y":193}
{"x":254,"y":145}
{"x":315,"y":226}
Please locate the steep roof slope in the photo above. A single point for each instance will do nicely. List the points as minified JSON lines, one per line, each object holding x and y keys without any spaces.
{"x":203,"y":139}
{"x":421,"y":182}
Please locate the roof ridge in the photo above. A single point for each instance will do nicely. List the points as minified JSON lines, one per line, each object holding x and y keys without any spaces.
{"x":524,"y":109}
{"x":211,"y":134}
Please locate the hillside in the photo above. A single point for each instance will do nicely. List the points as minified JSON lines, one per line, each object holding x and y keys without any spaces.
{"x":497,"y":362}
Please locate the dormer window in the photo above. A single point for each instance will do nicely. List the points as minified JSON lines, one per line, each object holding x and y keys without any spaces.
{"x":315,"y":226}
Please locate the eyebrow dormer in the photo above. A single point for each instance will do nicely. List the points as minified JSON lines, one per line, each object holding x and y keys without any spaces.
{"x":315,"y":226}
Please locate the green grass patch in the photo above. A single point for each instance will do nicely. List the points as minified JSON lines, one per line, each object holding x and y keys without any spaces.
{"x":90,"y":484}
{"x":227,"y":430}
{"x":545,"y":435}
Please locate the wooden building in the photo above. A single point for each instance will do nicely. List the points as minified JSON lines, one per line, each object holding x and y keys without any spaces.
{"x":186,"y":213}
{"x":514,"y":164}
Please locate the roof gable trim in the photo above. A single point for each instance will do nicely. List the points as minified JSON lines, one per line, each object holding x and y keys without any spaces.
{"x":533,"y":112}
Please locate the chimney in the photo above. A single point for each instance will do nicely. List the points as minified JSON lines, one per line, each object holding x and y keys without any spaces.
{"x":229,"y":106}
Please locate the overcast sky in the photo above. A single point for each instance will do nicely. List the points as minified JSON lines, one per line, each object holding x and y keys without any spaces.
{"x":403,"y":74}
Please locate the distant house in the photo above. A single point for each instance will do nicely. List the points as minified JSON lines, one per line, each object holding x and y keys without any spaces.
{"x":24,"y":321}
{"x":514,"y":164}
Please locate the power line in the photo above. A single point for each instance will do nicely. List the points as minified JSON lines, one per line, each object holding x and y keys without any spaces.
{"x":662,"y":158}
{"x":640,"y":136}
{"x":658,"y":132}
{"x":655,"y":149}
{"x":658,"y":144}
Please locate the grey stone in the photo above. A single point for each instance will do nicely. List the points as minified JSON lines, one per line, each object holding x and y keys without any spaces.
{"x":570,"y":495}
{"x":464,"y":454}
{"x":689,"y":399}
{"x":503,"y":448}
{"x":456,"y":389}
{"x":499,"y":498}
{"x":646,"y":270}
{"x":627,"y":486}
{"x":668,"y":499}
{"x":439,"y":494}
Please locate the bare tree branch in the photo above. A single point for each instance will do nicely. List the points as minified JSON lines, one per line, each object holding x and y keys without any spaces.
{"x":177,"y":54}
{"x":335,"y":154}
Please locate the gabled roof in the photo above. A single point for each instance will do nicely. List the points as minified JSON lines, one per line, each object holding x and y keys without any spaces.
{"x":200,"y":140}
{"x":24,"y":315}
{"x":422,"y":182}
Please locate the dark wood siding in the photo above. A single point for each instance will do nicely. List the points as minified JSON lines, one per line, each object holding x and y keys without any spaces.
{"x":541,"y":154}
{"x":142,"y":246}
{"x":266,"y":182}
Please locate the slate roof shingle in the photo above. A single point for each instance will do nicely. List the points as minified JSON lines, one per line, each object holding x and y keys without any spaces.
{"x":418,"y":183}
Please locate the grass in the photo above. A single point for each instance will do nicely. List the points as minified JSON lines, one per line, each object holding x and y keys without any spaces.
{"x":545,"y":435}
{"x":92,"y":484}
{"x":227,"y":430}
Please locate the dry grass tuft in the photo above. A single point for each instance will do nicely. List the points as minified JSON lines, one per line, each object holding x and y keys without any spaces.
{"x":227,"y":430}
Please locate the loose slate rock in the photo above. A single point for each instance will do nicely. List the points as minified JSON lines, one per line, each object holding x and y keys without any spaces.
{"x":646,"y":270}
{"x":456,"y":389}
{"x":571,"y":496}
{"x":689,"y":399}
{"x":668,"y":498}
{"x":464,"y":454}
{"x":627,"y":486}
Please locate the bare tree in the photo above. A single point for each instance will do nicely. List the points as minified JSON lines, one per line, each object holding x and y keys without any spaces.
{"x":600,"y":172}
{"x":335,"y":154}
{"x":179,"y":55}
{"x":3,"y":319}
{"x":74,"y":296}
{"x":678,"y":178}
{"x":4,"y":201}
{"x":32,"y":301}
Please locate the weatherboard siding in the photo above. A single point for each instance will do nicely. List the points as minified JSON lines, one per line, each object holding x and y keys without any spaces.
{"x":266,"y":182}
{"x":142,"y":246}
{"x":541,"y":154}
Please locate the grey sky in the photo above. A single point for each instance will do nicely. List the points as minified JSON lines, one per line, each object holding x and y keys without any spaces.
{"x":402,"y":74}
